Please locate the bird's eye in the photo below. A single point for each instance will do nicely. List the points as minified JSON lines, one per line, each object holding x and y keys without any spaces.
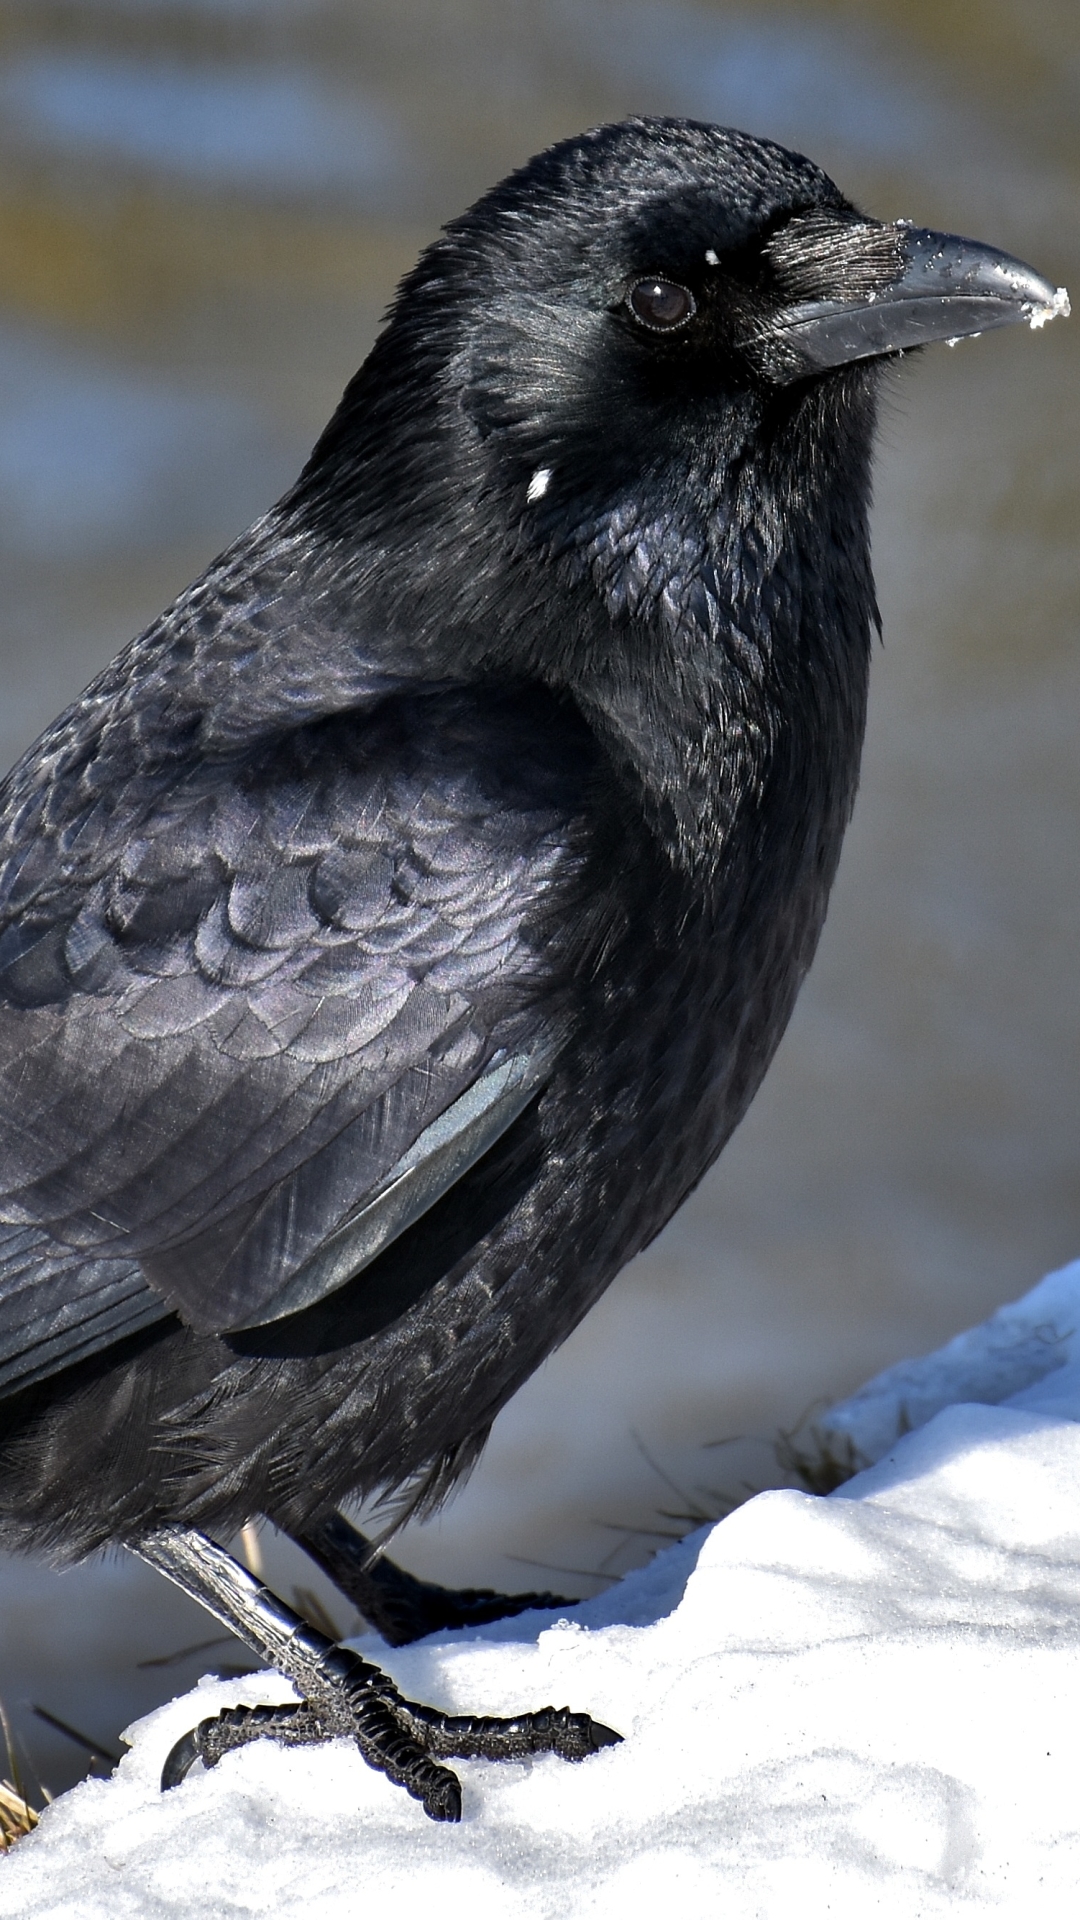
{"x":661,"y":305}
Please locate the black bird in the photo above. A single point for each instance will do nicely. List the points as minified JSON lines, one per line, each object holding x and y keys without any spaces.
{"x":392,"y":936}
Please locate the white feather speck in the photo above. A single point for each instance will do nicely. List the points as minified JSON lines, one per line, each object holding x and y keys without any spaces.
{"x":539,"y":483}
{"x":711,"y":259}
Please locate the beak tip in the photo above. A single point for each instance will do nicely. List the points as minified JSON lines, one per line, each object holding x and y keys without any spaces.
{"x":1057,"y":308}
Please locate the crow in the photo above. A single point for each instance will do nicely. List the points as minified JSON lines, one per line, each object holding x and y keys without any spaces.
{"x":393,"y":935}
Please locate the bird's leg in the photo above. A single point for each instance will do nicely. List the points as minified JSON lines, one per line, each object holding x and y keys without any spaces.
{"x":397,"y":1604}
{"x":341,"y":1694}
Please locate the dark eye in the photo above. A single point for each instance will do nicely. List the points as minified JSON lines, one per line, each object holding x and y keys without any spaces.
{"x":660,"y":304}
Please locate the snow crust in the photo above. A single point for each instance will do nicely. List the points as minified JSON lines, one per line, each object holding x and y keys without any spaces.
{"x":865,"y":1705}
{"x":1026,"y":1355}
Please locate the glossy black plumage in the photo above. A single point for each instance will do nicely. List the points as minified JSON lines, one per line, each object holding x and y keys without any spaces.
{"x":530,"y":718}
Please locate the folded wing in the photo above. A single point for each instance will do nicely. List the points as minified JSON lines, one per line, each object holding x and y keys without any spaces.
{"x":245,"y":1048}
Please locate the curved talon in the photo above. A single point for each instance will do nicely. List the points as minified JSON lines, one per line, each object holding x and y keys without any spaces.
{"x":180,"y":1759}
{"x":602,"y":1736}
{"x":573,"y":1736}
{"x":292,"y":1722}
{"x":442,"y":1801}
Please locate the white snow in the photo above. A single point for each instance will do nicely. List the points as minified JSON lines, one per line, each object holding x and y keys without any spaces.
{"x":1027,"y":1354}
{"x":865,"y":1705}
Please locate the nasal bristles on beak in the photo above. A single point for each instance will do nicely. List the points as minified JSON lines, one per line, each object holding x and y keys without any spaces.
{"x":834,"y":253}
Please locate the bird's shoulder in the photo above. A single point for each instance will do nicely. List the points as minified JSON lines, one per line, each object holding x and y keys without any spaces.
{"x":439,"y":798}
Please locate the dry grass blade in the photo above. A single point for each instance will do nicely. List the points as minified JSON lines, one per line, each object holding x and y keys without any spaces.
{"x":307,"y":1602}
{"x":187,"y":1653}
{"x":820,"y":1462}
{"x":83,"y":1740}
{"x":251,"y":1547}
{"x":17,"y":1816}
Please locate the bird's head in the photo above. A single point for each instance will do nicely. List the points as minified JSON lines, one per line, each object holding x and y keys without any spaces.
{"x":648,"y":350}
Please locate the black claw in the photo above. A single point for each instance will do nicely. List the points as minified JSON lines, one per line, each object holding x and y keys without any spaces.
{"x":602,"y":1736}
{"x":180,"y":1760}
{"x":573,"y":1736}
{"x":442,"y":1801}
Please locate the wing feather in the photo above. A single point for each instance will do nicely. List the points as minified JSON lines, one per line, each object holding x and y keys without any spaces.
{"x":219,"y":1047}
{"x":57,"y":1307}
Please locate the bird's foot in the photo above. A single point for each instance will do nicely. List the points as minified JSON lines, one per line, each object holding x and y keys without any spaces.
{"x":393,"y":1601}
{"x":400,"y":1737}
{"x":341,"y":1693}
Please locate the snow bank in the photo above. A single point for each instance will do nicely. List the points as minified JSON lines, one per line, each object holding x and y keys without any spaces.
{"x":1027,"y":1354}
{"x":853,"y":1706}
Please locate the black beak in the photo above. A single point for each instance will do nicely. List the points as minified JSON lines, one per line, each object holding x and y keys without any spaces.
{"x":947,"y":287}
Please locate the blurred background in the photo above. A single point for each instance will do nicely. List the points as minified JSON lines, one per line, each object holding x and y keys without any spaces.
{"x":204,"y":207}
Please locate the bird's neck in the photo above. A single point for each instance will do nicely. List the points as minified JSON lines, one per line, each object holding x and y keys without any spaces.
{"x":731,"y":690}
